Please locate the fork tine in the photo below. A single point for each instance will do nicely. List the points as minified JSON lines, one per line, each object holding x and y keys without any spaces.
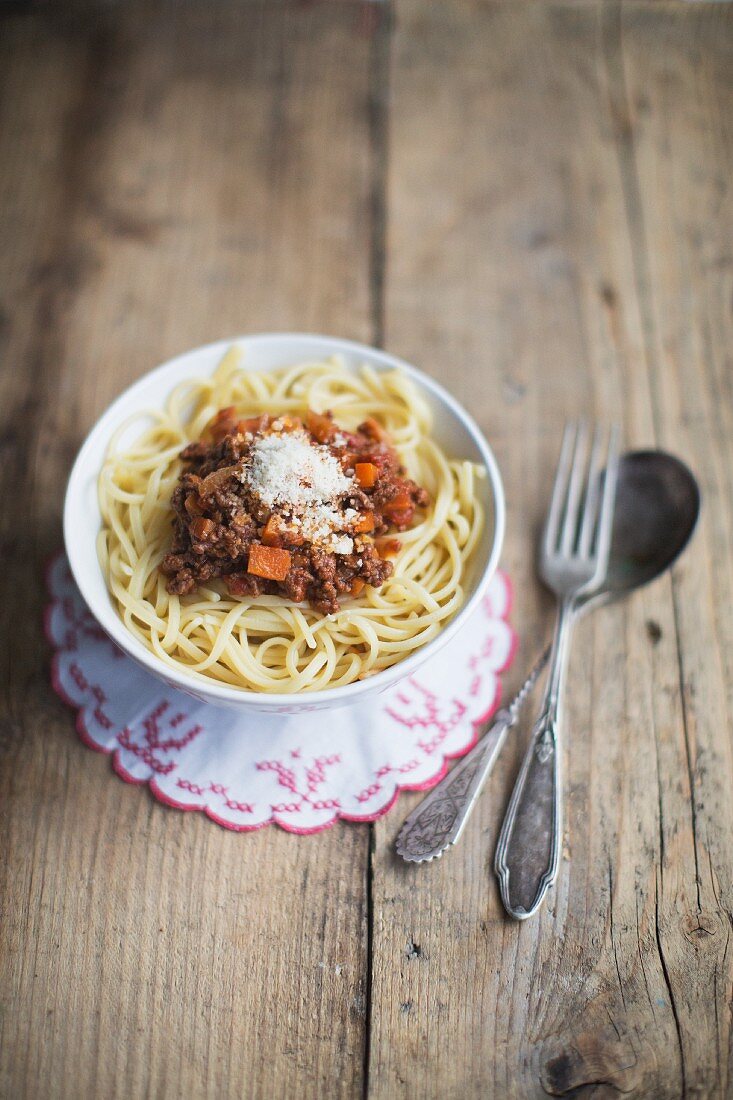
{"x":577,"y":473}
{"x":592,"y":494}
{"x":605,"y":521}
{"x":560,"y":488}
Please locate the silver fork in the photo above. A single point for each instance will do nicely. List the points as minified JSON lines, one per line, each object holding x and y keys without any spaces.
{"x":573,"y":561}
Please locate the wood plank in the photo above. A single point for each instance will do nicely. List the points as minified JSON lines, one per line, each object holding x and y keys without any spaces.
{"x":170,"y":175}
{"x":677,"y":160}
{"x":559,"y":242}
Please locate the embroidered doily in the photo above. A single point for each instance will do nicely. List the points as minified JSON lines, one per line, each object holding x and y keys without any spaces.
{"x":302,"y":771}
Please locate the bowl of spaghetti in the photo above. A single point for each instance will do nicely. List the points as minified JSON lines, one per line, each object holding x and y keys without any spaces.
{"x":283,"y":522}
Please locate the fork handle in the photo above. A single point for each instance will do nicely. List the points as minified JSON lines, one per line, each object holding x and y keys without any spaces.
{"x":528,"y":852}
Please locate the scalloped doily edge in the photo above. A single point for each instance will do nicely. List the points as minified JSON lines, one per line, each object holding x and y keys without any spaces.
{"x":356,"y":819}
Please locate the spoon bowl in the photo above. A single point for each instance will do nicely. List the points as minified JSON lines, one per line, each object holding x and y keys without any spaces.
{"x":657,"y":506}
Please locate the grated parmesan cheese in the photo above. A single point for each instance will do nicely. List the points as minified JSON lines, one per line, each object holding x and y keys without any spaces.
{"x":305,"y":481}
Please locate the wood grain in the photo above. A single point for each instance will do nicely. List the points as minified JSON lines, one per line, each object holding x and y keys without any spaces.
{"x":559,"y":243}
{"x":172,"y":176}
{"x":532,"y":202}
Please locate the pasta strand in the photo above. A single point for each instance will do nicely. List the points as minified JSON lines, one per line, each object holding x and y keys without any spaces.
{"x":270,"y":643}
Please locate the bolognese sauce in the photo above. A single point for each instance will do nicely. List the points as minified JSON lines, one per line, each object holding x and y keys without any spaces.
{"x":289,"y":506}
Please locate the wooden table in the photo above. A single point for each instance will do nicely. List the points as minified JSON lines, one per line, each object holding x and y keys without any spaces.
{"x":532,"y":201}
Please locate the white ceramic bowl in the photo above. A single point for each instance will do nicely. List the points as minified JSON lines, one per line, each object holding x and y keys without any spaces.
{"x":454,"y":430}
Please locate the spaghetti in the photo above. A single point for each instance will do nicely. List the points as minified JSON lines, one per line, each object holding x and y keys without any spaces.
{"x":269,"y":643}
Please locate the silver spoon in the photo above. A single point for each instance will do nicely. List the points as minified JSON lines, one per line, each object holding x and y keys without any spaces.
{"x":657,"y":505}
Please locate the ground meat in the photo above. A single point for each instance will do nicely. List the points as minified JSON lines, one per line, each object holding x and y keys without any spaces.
{"x":374,"y":569}
{"x":218,"y":520}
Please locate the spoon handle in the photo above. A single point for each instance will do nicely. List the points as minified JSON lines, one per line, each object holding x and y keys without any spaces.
{"x":438,"y":821}
{"x":528,"y":853}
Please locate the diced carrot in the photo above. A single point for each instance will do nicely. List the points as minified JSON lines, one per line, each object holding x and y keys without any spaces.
{"x":222,"y":424}
{"x":398,"y":503}
{"x":278,"y":531}
{"x":373,"y":429}
{"x":357,"y":586}
{"x":320,"y":427}
{"x":366,"y":474}
{"x":271,"y":535}
{"x":388,"y":547}
{"x":364,"y":523}
{"x":193,"y":505}
{"x":268,"y":561}
{"x":254,"y":423}
{"x":201,"y":528}
{"x":402,"y":517}
{"x":400,"y":510}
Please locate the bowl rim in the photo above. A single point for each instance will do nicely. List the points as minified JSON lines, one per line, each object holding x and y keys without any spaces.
{"x":109,"y":618}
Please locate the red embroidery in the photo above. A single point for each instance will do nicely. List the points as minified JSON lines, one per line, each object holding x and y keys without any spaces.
{"x":78,"y":676}
{"x":240,"y":807}
{"x":144,"y":753}
{"x":186,"y":785}
{"x":423,"y":725}
{"x":370,"y":791}
{"x":409,"y":766}
{"x":100,"y":717}
{"x":153,"y":745}
{"x":429,"y":717}
{"x":486,"y":651}
{"x":215,"y":788}
{"x":314,"y":776}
